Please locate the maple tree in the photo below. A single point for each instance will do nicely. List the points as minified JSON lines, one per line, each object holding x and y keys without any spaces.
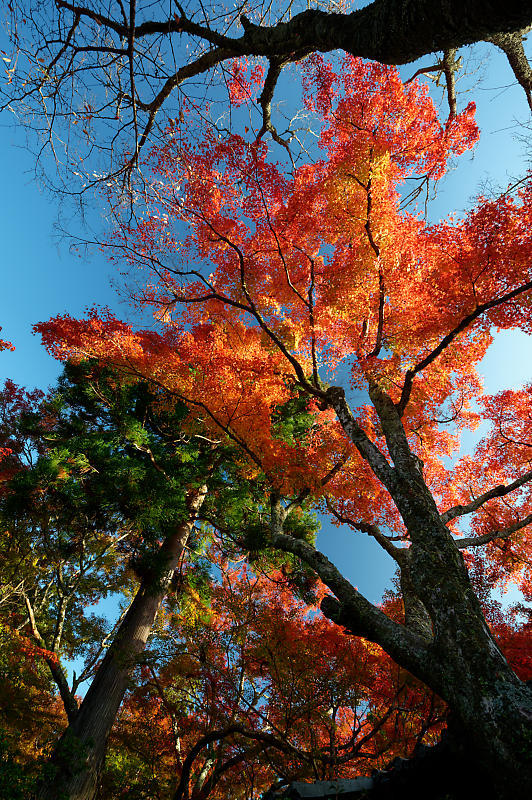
{"x":314,"y":280}
{"x":255,"y":689}
{"x":249,"y":689}
{"x":4,"y":345}
{"x":31,"y":715}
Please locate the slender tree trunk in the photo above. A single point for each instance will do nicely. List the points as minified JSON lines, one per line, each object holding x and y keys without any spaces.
{"x":76,"y":764}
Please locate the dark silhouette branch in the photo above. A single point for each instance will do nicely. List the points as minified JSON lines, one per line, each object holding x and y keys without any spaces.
{"x":89,"y":45}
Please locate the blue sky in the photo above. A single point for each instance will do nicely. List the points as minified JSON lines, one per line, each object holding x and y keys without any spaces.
{"x":42,"y":278}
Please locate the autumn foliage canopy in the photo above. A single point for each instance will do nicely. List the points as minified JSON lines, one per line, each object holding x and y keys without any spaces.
{"x":311,"y":322}
{"x":315,"y":274}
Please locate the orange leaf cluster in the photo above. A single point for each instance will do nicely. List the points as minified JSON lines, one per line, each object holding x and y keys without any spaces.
{"x":265,"y":279}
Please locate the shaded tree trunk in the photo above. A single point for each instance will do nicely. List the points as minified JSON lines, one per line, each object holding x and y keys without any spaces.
{"x":492,"y":707}
{"x":389,"y":31}
{"x":73,"y":773}
{"x":459,"y":661}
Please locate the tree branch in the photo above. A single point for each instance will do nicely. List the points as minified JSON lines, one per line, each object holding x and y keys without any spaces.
{"x":396,"y":553}
{"x":497,"y":491}
{"x":449,"y":338}
{"x":335,"y":396}
{"x":353,"y":611}
{"x":389,"y":31}
{"x":265,"y":100}
{"x":58,"y":674}
{"x":450,"y":65}
{"x":512,"y":45}
{"x":214,"y":736}
{"x":505,"y":533}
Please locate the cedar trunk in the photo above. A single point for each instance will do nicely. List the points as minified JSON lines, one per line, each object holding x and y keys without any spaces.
{"x":75,"y":767}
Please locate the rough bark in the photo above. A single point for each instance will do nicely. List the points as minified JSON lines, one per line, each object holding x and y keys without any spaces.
{"x":416,"y":617}
{"x":458,"y":658}
{"x":73,"y":773}
{"x":492,"y":706}
{"x":466,"y":668}
{"x":390,"y":31}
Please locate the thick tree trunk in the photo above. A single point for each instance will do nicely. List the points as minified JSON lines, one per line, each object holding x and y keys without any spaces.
{"x":461,"y":661}
{"x":492,"y":707}
{"x":74,"y":771}
{"x":389,"y":31}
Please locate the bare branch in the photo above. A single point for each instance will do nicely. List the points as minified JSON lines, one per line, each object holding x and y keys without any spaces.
{"x":265,"y":100}
{"x":82,"y":42}
{"x":512,"y":45}
{"x":424,"y":71}
{"x":175,"y":24}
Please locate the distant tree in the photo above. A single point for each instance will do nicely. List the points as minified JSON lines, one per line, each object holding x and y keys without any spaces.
{"x":31,"y":714}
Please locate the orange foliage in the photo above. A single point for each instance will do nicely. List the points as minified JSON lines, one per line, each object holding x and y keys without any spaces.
{"x":320,"y":269}
{"x":269,"y":664}
{"x":264,"y":279}
{"x":5,"y":345}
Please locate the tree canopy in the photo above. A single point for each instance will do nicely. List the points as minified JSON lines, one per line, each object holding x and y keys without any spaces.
{"x":314,"y":350}
{"x":314,"y":279}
